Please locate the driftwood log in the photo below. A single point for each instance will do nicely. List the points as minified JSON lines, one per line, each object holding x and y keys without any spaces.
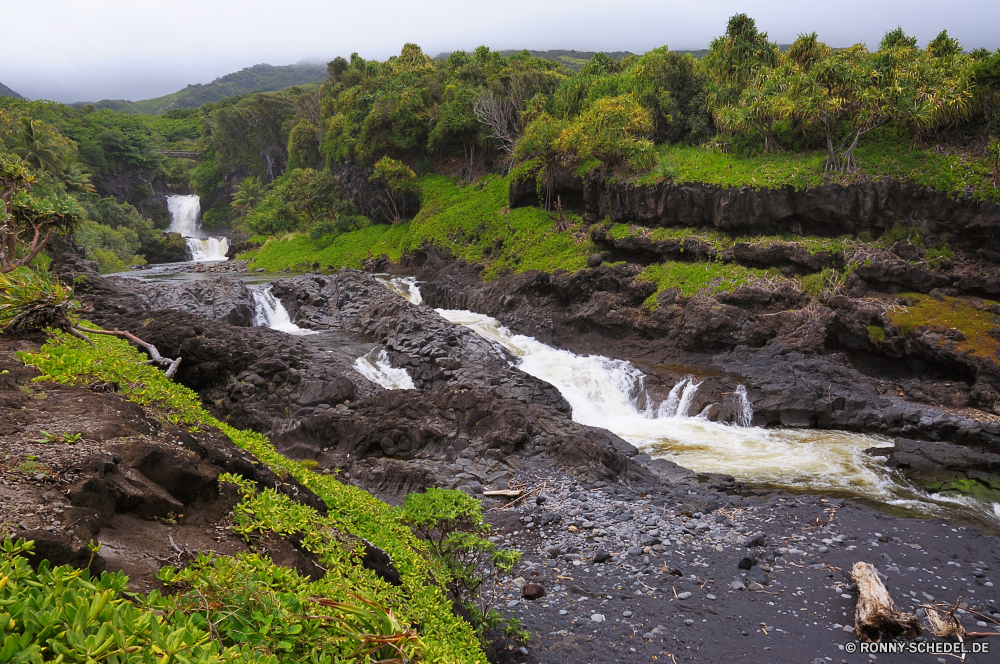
{"x":154,"y":355}
{"x":876,"y":616}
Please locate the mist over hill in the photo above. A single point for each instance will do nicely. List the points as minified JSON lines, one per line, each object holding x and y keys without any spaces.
{"x":7,"y":92}
{"x":259,"y":78}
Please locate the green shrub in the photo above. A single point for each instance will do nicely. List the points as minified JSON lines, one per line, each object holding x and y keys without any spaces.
{"x":897,"y":232}
{"x":821,"y":284}
{"x":451,"y":523}
{"x":31,"y":299}
{"x":61,"y":614}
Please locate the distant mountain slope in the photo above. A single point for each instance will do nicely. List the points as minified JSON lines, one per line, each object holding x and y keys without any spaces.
{"x":574,"y":60}
{"x":7,"y":92}
{"x":259,"y":78}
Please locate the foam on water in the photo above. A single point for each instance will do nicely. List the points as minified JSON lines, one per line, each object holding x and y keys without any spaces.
{"x":269,"y":312}
{"x":604,"y":393}
{"x":383,"y":373}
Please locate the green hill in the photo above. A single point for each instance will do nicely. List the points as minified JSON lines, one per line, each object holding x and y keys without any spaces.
{"x":259,"y":78}
{"x":7,"y":92}
{"x":574,"y":60}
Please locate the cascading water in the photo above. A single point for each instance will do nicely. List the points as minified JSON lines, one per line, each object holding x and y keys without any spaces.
{"x":269,"y":312}
{"x":405,"y":287}
{"x":604,"y":393}
{"x":185,"y":212}
{"x":383,"y":373}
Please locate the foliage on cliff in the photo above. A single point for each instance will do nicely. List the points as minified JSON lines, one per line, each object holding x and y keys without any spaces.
{"x":256,"y":605}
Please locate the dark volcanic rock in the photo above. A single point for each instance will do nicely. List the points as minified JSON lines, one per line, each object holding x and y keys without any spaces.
{"x":828,"y":210}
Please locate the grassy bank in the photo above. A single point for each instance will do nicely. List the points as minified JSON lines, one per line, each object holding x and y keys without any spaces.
{"x":886,"y":154}
{"x":261,"y":604}
{"x":467,"y":221}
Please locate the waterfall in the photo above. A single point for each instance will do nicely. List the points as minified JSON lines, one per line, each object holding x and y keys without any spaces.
{"x":269,"y":312}
{"x":383,"y":373}
{"x":405,"y":287}
{"x":744,"y":409}
{"x":208,"y":248}
{"x":185,"y":212}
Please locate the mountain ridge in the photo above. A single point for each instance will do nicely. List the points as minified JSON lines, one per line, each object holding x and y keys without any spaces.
{"x":7,"y":92}
{"x":258,"y":78}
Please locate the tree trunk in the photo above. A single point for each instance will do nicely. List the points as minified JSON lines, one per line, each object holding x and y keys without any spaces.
{"x":876,"y":616}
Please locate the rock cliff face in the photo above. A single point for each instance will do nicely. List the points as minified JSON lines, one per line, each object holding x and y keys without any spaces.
{"x":827,"y":210}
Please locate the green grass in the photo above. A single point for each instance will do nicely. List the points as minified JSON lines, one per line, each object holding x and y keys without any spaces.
{"x":700,"y":278}
{"x":940,"y":315}
{"x":467,"y":221}
{"x":885,"y":154}
{"x":419,"y":601}
{"x":814,"y":244}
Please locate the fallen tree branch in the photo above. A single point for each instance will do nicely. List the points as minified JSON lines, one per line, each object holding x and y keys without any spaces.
{"x":876,"y":615}
{"x":154,"y":355}
{"x":944,"y":623}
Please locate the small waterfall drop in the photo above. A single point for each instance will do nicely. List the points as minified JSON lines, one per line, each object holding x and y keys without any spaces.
{"x":185,"y":212}
{"x":404,"y":286}
{"x":269,"y":312}
{"x":383,"y":373}
{"x":744,"y":409}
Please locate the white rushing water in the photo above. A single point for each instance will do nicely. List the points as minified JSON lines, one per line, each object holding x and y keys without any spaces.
{"x":269,"y":312}
{"x":406,"y":287}
{"x":383,"y":373}
{"x":185,"y":215}
{"x":604,"y":393}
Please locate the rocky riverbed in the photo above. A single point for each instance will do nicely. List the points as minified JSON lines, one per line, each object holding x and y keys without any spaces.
{"x":626,"y":557}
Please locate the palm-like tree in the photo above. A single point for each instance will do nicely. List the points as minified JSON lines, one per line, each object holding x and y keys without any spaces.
{"x":248,"y":195}
{"x":39,"y":147}
{"x":76,"y":178}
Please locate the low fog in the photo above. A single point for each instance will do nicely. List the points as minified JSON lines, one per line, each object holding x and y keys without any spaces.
{"x":137,"y":49}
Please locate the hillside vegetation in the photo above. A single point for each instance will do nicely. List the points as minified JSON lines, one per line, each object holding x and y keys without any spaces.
{"x":259,"y":78}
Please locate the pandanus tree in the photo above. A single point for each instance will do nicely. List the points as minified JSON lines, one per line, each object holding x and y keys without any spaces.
{"x":745,"y":83}
{"x":852,"y":92}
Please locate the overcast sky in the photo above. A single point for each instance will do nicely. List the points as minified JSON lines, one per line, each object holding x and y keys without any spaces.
{"x":87,"y":50}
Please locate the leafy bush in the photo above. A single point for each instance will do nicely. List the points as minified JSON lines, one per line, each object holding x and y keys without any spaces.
{"x":31,"y":299}
{"x":451,"y":522}
{"x":62,"y":614}
{"x":113,"y":249}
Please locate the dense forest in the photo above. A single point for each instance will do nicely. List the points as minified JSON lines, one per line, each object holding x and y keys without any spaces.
{"x":369,"y":146}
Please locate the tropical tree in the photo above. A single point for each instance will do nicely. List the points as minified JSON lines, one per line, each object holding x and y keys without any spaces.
{"x":744,"y":87}
{"x":852,"y":92}
{"x":540,"y":154}
{"x":248,"y":195}
{"x":29,"y":219}
{"x":614,"y":130}
{"x":41,"y":147}
{"x":399,"y":181}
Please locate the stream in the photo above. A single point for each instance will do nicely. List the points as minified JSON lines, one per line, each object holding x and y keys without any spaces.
{"x":605,"y":392}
